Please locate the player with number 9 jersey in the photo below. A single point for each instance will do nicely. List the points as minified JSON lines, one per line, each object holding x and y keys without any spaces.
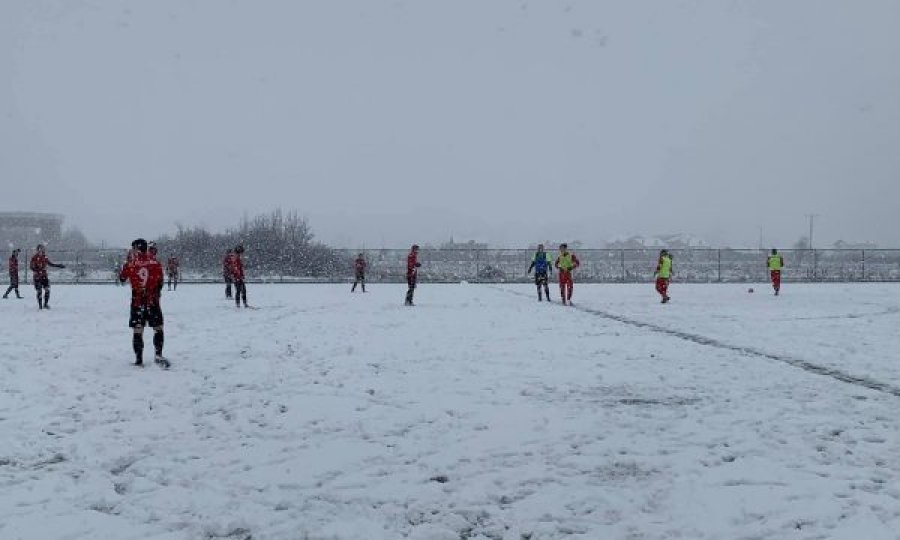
{"x":146,"y":277}
{"x":145,"y":274}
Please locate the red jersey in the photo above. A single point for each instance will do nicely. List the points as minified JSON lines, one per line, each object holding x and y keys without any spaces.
{"x":226,"y":266}
{"x":237,"y":267}
{"x":146,"y":277}
{"x":360,"y":265}
{"x":14,"y":267}
{"x":39,"y":264}
{"x":172,"y":265}
{"x":412,"y":264}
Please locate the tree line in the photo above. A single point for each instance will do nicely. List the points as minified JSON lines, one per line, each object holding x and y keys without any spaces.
{"x":277,"y":243}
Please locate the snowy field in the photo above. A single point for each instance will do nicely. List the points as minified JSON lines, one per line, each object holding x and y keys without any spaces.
{"x":480,"y":413}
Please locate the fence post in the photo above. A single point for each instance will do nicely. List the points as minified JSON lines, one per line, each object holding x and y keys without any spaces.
{"x":719,"y":264}
{"x":815,"y":264}
{"x":863,"y":265}
{"x":623,"y":265}
{"x":477,"y":265}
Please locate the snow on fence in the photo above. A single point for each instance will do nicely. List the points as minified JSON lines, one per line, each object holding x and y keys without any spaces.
{"x":505,"y":266}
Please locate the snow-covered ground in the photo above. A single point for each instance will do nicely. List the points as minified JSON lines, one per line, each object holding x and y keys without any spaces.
{"x":480,"y":413}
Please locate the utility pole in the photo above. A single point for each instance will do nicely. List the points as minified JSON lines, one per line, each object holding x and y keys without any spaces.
{"x":812,"y":218}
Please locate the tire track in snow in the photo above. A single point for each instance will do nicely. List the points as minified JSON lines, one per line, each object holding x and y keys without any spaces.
{"x":805,"y":365}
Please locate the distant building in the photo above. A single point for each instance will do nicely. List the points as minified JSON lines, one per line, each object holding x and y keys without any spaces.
{"x":671,"y":241}
{"x":840,"y":244}
{"x":27,"y":229}
{"x":471,"y":244}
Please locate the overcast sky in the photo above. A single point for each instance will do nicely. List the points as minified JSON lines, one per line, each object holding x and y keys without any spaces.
{"x":387,"y":122}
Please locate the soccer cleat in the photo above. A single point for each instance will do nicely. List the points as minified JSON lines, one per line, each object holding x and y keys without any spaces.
{"x":162,"y":362}
{"x":138,"y":363}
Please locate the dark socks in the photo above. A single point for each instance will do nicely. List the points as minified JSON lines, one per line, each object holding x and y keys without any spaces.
{"x":158,"y":339}
{"x":137,"y":341}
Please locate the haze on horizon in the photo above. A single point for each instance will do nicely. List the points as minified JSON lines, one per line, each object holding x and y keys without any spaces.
{"x":388,"y":122}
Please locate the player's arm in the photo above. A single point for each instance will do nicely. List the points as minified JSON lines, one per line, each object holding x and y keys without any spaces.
{"x":158,"y":277}
{"x":125,"y":272}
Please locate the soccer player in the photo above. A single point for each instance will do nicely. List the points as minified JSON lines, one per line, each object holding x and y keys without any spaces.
{"x":226,"y":271}
{"x":775,"y":263}
{"x":566,"y":263}
{"x":39,"y":264}
{"x":359,"y":266}
{"x":145,"y":274}
{"x":13,"y":274}
{"x":172,"y":271}
{"x":542,"y":268}
{"x":412,"y":273}
{"x":237,"y":274}
{"x":663,"y":275}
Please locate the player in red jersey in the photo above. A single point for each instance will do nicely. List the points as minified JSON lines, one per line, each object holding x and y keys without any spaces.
{"x":145,"y":274}
{"x":226,"y":271}
{"x":359,"y":266}
{"x":237,"y":274}
{"x":172,"y":271}
{"x":412,"y":272}
{"x":39,"y":264}
{"x":566,"y":263}
{"x":13,"y":274}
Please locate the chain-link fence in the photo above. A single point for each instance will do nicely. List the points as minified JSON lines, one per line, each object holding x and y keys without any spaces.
{"x":505,"y":265}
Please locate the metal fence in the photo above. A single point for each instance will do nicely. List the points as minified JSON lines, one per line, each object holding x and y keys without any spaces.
{"x":510,"y":266}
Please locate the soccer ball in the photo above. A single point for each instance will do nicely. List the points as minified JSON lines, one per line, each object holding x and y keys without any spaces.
{"x":750,"y":290}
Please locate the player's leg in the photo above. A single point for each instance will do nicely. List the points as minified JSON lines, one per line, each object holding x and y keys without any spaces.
{"x":137,"y":335}
{"x":411,"y":282}
{"x":537,"y":283}
{"x":47,"y":294}
{"x":562,"y":286}
{"x":362,"y":282}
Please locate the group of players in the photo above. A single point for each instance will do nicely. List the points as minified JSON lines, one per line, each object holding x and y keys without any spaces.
{"x":144,"y":273}
{"x":566,"y":262}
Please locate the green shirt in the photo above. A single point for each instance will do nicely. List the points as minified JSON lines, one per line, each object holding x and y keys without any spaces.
{"x":776,"y":262}
{"x":565,"y":261}
{"x":664,"y":270}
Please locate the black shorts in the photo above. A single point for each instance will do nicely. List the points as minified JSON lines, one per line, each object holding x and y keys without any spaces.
{"x":42,"y":283}
{"x":145,"y":315}
{"x":540,"y":278}
{"x":14,"y":281}
{"x":360,"y":276}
